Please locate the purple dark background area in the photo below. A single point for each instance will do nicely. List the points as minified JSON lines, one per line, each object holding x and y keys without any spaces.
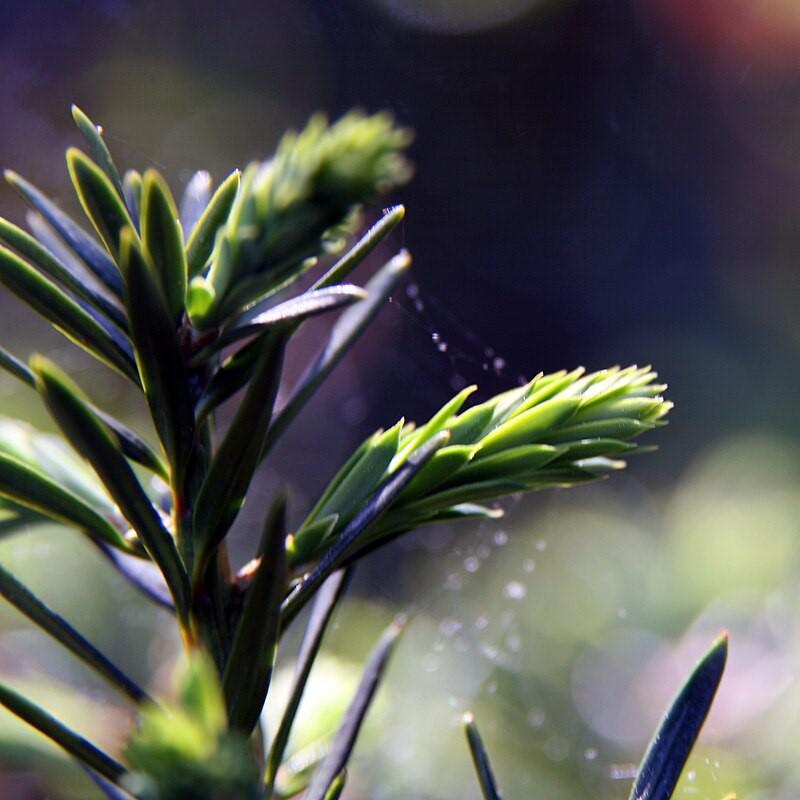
{"x":597,"y":183}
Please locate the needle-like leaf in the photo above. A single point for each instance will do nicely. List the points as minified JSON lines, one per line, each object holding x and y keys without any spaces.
{"x":508,"y":463}
{"x":362,"y":248}
{"x":108,"y":790}
{"x":238,"y":368}
{"x":100,"y":200}
{"x":56,"y":626}
{"x":481,"y":760}
{"x":249,"y":668}
{"x":446,"y":462}
{"x":671,"y":746}
{"x":142,"y":574}
{"x":25,"y":485}
{"x":619,"y":429}
{"x":84,"y":245}
{"x":347,"y":734}
{"x":132,"y":187}
{"x":204,"y":233}
{"x":231,"y":376}
{"x":158,"y":355}
{"x":134,"y":447}
{"x":427,"y":508}
{"x":89,"y":436}
{"x":72,"y":279}
{"x":93,"y":134}
{"x":370,"y":511}
{"x":295,"y":311}
{"x":104,"y":341}
{"x":525,"y":427}
{"x":345,"y":332}
{"x":11,"y":364}
{"x":163,"y":240}
{"x":223,"y":491}
{"x":194,"y":200}
{"x":361,"y":480}
{"x":69,"y":740}
{"x":337,"y":786}
{"x":325,"y":602}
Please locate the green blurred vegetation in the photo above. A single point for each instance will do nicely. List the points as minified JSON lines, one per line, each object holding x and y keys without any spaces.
{"x":566,"y":628}
{"x":652,"y":156}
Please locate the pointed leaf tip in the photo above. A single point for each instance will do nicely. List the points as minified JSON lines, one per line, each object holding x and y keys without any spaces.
{"x":74,"y":236}
{"x":90,"y":437}
{"x":480,"y":759}
{"x":252,"y":655}
{"x":201,"y":240}
{"x":672,"y":745}
{"x":162,"y":236}
{"x":101,"y":200}
{"x":347,"y":734}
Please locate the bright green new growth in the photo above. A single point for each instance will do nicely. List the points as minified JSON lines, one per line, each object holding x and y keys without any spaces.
{"x":296,"y":207}
{"x":193,"y":306}
{"x":558,"y":430}
{"x":185,"y":750}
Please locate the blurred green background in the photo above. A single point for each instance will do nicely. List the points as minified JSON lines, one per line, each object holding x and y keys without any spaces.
{"x":598,"y":182}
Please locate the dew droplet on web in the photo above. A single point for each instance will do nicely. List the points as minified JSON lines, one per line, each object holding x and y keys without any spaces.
{"x":488,"y":352}
{"x":500,"y":538}
{"x":536,"y":718}
{"x":529,"y":565}
{"x":449,"y":627}
{"x":435,"y":337}
{"x":590,"y":754}
{"x":541,"y":545}
{"x":691,"y":775}
{"x":489,"y":651}
{"x":514,"y":590}
{"x":481,"y":622}
{"x":442,"y":347}
{"x":498,"y":364}
{"x":406,"y":751}
{"x":41,"y":550}
{"x":355,"y":410}
{"x":457,"y":382}
{"x":430,"y":663}
{"x":483,"y":552}
{"x":622,"y":772}
{"x":419,"y":305}
{"x":412,"y":291}
{"x":471,"y":564}
{"x":556,"y":748}
{"x":454,"y":582}
{"x":452,"y":701}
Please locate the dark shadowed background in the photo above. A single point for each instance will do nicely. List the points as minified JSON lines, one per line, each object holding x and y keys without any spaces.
{"x":597,"y":182}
